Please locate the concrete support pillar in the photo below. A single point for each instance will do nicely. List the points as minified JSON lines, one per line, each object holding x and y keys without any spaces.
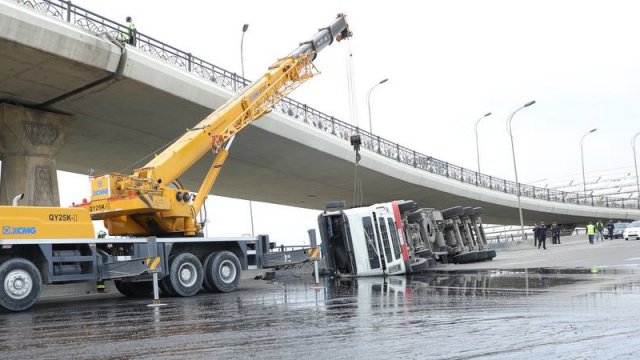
{"x":29,"y":141}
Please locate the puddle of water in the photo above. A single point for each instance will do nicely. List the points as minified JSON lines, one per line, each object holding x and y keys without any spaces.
{"x":524,"y":314}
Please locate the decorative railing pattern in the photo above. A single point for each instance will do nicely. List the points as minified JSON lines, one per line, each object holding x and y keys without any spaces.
{"x":66,"y":11}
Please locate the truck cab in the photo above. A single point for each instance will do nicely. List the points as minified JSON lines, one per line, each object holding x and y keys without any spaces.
{"x":362,"y":241}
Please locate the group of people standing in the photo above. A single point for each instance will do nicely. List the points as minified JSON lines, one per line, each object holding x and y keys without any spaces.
{"x":595,"y":232}
{"x":540,"y":234}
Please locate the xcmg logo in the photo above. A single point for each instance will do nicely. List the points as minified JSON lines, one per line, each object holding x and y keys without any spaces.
{"x":100,"y":192}
{"x":19,"y":230}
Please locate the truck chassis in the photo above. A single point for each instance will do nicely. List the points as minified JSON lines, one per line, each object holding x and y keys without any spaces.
{"x":184,"y":265}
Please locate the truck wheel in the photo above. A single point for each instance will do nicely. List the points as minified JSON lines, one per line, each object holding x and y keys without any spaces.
{"x":452,"y":212}
{"x":165,"y":286}
{"x":468,"y":211}
{"x":134,"y":289}
{"x":207,"y":284}
{"x":222,"y":272}
{"x":185,"y":274}
{"x":123,"y":288}
{"x":21,"y":284}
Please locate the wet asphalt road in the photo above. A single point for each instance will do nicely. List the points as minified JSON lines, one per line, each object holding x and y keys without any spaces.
{"x":492,"y":315}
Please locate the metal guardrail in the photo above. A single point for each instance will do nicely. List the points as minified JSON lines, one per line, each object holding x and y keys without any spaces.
{"x":516,"y":235}
{"x":66,"y":11}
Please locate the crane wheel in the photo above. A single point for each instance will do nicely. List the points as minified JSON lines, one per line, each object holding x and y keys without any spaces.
{"x":134,"y":289}
{"x":123,"y":288}
{"x":222,"y":272}
{"x":165,"y":283}
{"x":20,"y":284}
{"x":186,"y":274}
{"x":166,"y":288}
{"x":206,"y":264}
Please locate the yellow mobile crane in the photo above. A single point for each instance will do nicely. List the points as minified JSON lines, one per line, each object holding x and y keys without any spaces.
{"x":56,"y":245}
{"x":145,"y":204}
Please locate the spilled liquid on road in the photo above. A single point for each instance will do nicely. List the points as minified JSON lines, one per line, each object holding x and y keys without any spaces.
{"x":519,"y":314}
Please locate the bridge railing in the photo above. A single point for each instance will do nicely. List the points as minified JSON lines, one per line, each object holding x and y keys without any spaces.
{"x":66,"y":11}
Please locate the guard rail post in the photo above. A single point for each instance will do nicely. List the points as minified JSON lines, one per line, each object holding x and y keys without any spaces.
{"x":68,"y":11}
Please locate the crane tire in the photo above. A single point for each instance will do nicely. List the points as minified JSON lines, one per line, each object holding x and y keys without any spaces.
{"x":123,"y":288}
{"x":186,"y":274}
{"x":134,"y":288}
{"x":166,"y":288}
{"x":20,"y":284}
{"x":222,"y":272}
{"x":207,"y":284}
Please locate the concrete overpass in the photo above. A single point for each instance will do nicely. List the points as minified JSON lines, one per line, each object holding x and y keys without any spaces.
{"x":120,"y":105}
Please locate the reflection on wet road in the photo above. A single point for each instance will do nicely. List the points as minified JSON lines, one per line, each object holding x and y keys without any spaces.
{"x":501,"y":315}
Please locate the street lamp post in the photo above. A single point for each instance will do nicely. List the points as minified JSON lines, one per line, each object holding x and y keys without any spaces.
{"x":245,"y":27}
{"x":584,"y":182}
{"x":369,"y":100}
{"x":515,"y":169}
{"x":635,"y":162}
{"x":477,"y":146}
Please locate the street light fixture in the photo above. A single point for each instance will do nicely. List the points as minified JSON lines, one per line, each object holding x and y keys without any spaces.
{"x":369,"y":100}
{"x":477,"y":146}
{"x":635,"y":162}
{"x":245,"y":27}
{"x":515,"y":169}
{"x":584,"y":182}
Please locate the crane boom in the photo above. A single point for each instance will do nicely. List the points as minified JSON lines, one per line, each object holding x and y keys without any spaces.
{"x":144,"y":204}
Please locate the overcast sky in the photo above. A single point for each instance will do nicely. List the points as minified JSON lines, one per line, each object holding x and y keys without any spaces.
{"x":448,"y":63}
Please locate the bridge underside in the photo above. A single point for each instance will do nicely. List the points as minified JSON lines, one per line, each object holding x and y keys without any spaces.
{"x":278,"y":160}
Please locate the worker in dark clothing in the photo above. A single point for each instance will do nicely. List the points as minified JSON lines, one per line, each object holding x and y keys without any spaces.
{"x":100,"y":285}
{"x":599,"y":230}
{"x":535,"y":234}
{"x":610,"y":228}
{"x":542,"y":235}
{"x":555,"y":233}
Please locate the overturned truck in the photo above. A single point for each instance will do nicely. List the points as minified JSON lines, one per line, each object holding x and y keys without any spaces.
{"x":399,"y":237}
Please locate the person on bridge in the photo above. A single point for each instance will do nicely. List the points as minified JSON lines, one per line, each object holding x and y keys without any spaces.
{"x":599,"y":230}
{"x":542,"y":235}
{"x":535,"y":234}
{"x":129,"y":37}
{"x":591,"y":232}
{"x":555,"y":233}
